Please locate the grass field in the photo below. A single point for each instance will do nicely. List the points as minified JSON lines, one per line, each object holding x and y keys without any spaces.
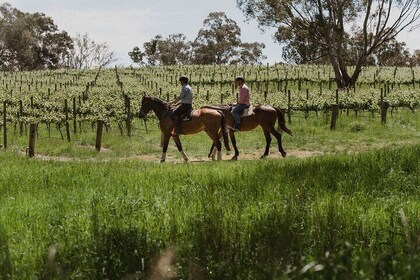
{"x":353,"y":212}
{"x":349,"y":216}
{"x":312,"y":136}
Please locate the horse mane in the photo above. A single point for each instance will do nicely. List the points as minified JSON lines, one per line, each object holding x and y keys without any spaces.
{"x":160,"y":101}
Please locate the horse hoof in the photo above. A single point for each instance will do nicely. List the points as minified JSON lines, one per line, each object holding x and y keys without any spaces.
{"x":283,"y":154}
{"x":263,"y":156}
{"x":234,"y":158}
{"x":162,"y":161}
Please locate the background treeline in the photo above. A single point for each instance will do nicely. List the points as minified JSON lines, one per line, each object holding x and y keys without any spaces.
{"x":31,"y":41}
{"x":217,"y":42}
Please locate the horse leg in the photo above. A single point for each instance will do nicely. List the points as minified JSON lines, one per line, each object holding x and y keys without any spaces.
{"x":278,"y":137}
{"x":179,"y":146}
{"x":267,"y":143}
{"x":166,"y":138}
{"x":212,"y":151}
{"x":233,"y":139}
{"x":217,"y":144}
{"x":219,"y":149}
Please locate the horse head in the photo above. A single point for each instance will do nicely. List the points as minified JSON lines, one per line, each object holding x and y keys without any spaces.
{"x":146,"y":106}
{"x":149,"y":103}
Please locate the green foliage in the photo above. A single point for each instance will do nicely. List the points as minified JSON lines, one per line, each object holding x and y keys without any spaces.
{"x":5,"y":261}
{"x":174,"y":50}
{"x":101,"y":94}
{"x":317,"y":218}
{"x":357,"y":126}
{"x":217,"y":41}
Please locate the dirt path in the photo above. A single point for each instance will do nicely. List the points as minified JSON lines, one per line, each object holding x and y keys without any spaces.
{"x":175,"y":158}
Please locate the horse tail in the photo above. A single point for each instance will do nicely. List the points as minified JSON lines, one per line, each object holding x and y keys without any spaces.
{"x":224,"y":131}
{"x":281,"y":120}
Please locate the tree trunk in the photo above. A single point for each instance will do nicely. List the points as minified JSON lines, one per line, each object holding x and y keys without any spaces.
{"x":342,"y":77}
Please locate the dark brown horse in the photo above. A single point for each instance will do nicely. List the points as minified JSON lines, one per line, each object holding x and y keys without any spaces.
{"x":264,"y":116}
{"x":209,"y":120}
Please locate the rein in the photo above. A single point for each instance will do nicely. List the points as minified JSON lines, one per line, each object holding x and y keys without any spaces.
{"x":157,"y":102}
{"x":166,"y":112}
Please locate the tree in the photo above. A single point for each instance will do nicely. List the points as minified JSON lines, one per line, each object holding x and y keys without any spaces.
{"x":393,"y":53}
{"x":137,"y":55}
{"x":30,"y":41}
{"x":300,"y":49}
{"x":174,"y":50}
{"x":327,"y":24}
{"x":415,"y":58}
{"x":151,"y":50}
{"x":87,"y":53}
{"x":217,"y":41}
{"x":250,"y":53}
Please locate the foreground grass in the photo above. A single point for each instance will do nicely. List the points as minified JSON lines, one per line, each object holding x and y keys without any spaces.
{"x":339,"y":216}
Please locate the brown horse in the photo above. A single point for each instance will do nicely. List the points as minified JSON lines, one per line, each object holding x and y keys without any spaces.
{"x":264,"y":116}
{"x":211,"y":121}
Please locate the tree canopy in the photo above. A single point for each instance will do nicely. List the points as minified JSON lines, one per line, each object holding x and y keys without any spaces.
{"x":30,"y":41}
{"x":218,"y":42}
{"x":174,"y":50}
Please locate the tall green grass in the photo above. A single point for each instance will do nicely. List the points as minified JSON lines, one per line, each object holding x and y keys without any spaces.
{"x":342,"y":217}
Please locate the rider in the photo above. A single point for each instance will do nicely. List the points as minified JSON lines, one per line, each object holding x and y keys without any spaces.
{"x":186,"y":98}
{"x":242,"y":103}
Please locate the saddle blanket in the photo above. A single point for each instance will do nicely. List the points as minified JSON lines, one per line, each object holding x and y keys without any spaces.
{"x":248,"y":111}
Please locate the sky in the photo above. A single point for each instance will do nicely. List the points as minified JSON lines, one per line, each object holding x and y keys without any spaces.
{"x":128,"y":23}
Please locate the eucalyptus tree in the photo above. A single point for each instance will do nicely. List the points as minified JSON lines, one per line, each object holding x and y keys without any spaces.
{"x":326,"y":28}
{"x":30,"y":41}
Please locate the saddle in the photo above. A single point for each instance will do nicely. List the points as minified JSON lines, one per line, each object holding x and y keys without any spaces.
{"x":245,"y":113}
{"x":187,"y":116}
